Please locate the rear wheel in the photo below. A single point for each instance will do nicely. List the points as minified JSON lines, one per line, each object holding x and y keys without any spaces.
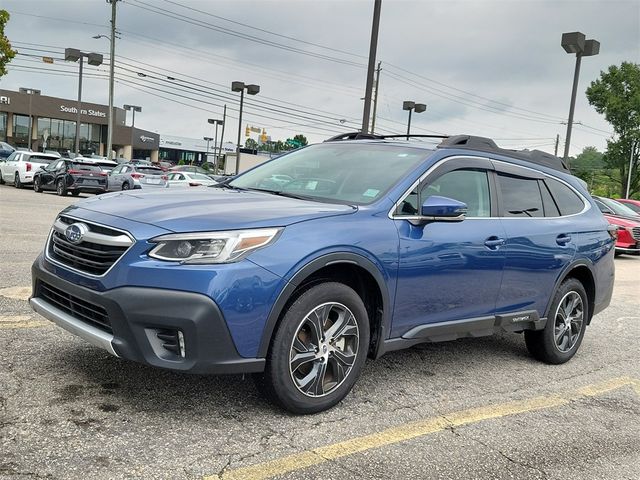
{"x":61,"y":188}
{"x":561,"y":337}
{"x":125,"y":186}
{"x":36,"y":185}
{"x":75,"y":193}
{"x":318,"y":350}
{"x":16,"y":181}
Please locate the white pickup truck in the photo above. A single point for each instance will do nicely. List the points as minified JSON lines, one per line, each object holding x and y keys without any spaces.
{"x":20,"y":166}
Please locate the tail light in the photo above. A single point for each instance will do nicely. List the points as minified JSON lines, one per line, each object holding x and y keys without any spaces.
{"x":194,"y":184}
{"x":103,"y":174}
{"x":613,"y":231}
{"x":28,"y":167}
{"x":164,"y":177}
{"x":137,"y":175}
{"x":74,"y":172}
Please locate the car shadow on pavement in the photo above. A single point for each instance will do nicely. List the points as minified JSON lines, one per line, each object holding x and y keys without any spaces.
{"x":116,"y":383}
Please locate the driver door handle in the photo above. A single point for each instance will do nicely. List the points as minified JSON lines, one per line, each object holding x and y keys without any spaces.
{"x":494,"y":242}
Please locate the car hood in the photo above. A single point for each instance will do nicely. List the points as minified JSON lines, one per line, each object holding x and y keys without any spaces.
{"x":210,"y":209}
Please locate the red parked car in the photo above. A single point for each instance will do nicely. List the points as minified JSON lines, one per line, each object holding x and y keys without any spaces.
{"x":627,"y":221}
{"x":632,"y":204}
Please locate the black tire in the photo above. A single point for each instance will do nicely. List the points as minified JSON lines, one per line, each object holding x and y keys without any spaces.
{"x":342,"y":355}
{"x":75,"y":193}
{"x":61,"y":188}
{"x":36,"y":185}
{"x":126,"y":186}
{"x":16,"y":181}
{"x":542,"y":344}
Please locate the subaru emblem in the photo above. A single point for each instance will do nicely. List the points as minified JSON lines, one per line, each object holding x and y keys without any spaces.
{"x":75,"y":232}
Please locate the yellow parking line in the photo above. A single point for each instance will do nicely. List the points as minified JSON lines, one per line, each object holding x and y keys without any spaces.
{"x":16,"y":293}
{"x":420,"y":428}
{"x":20,"y":321}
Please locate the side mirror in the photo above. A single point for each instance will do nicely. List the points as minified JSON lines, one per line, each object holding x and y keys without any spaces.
{"x":43,"y":167}
{"x":443,"y":209}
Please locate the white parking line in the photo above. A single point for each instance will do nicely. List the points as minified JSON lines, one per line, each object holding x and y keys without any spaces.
{"x":16,"y":293}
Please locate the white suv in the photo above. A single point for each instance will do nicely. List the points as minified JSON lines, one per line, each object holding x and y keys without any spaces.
{"x":20,"y":167}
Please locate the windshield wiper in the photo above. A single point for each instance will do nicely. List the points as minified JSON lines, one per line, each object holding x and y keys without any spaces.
{"x":226,"y":185}
{"x":282,"y":193}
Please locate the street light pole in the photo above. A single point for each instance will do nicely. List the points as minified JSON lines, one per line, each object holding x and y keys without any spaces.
{"x":95,"y":59}
{"x":206,"y":155}
{"x":30,"y":92}
{"x":409,"y":105}
{"x":134,"y":109}
{"x":251,"y":90}
{"x":633,"y":147}
{"x":575,"y":42}
{"x":224,"y":121}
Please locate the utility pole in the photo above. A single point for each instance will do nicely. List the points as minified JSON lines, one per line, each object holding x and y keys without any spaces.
{"x":224,"y":122}
{"x":112,"y":59}
{"x":557,"y":143}
{"x":633,"y":147}
{"x":375,"y":99}
{"x":79,"y":108}
{"x":373,"y":48}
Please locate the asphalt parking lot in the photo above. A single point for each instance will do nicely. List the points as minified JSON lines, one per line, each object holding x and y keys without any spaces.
{"x":469,"y":409}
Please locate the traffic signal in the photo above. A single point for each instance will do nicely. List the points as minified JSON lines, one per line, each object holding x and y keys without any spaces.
{"x":263,"y":137}
{"x":247,"y":131}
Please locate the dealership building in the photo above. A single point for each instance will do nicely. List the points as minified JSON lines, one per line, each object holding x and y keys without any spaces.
{"x":54,"y":126}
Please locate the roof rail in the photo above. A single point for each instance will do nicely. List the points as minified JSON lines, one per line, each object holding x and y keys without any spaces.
{"x":470,"y":142}
{"x":372,"y":136}
{"x":354,"y":136}
{"x":487,"y":145}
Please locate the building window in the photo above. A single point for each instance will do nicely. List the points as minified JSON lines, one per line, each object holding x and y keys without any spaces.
{"x":69,"y":136}
{"x":20,"y":130}
{"x":44,"y":132}
{"x":3,"y":126}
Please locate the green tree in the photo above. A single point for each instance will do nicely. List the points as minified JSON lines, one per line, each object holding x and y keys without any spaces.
{"x":6,"y":52}
{"x":301,"y":139}
{"x":251,"y":144}
{"x":616,"y":95}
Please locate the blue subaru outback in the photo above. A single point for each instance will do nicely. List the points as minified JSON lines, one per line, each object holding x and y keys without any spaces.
{"x":300,"y":268}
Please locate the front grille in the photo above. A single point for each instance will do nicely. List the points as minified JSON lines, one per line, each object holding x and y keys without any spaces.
{"x":94,"y":256}
{"x":635,"y":233}
{"x":79,"y":309}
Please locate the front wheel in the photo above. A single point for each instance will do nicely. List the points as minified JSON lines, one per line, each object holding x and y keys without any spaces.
{"x":561,"y":337}
{"x":61,"y":188}
{"x":318,"y":350}
{"x":36,"y":185}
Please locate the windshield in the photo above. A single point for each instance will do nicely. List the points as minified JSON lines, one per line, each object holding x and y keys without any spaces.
{"x":345,"y":173}
{"x":618,"y":208}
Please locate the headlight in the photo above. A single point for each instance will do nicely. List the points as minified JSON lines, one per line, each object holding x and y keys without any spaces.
{"x":211,"y":247}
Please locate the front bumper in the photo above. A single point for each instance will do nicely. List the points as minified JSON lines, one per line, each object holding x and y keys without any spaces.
{"x":136,"y":316}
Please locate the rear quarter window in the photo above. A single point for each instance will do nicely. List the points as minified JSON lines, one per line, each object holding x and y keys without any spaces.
{"x":567,"y":201}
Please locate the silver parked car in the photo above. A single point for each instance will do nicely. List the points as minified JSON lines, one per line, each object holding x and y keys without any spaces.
{"x":128,"y":176}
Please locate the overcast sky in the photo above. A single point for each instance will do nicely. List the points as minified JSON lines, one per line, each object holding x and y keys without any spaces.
{"x":491,"y":68}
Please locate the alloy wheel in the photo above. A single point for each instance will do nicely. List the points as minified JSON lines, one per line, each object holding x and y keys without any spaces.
{"x":323,"y":349}
{"x":568,"y":321}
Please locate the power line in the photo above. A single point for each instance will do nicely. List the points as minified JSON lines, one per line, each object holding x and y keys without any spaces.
{"x":209,"y":26}
{"x":266,"y":31}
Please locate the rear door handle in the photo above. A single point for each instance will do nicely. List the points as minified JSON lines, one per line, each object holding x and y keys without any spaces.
{"x":494,"y":242}
{"x":563,"y":239}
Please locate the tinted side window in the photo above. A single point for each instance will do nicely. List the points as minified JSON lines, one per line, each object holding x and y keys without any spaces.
{"x":520,"y":196}
{"x":566,"y":199}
